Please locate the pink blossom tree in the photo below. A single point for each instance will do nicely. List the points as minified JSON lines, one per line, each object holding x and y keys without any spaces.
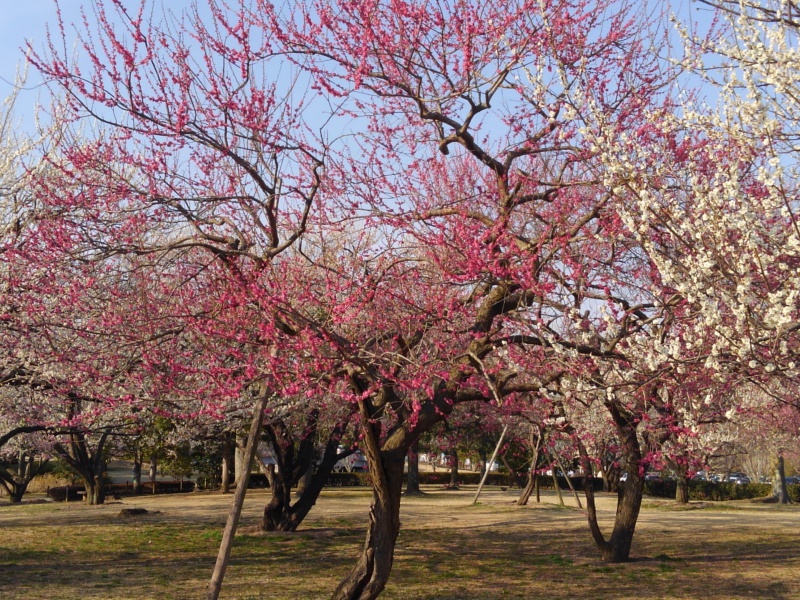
{"x":467,"y":222}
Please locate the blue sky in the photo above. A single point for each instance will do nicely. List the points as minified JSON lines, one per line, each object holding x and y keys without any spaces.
{"x":27,"y":20}
{"x":22,"y":20}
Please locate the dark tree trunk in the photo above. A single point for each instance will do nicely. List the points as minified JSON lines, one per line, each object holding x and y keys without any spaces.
{"x":137,"y":473}
{"x":15,"y":480}
{"x":613,"y":482}
{"x":153,"y":471}
{"x":227,"y":464}
{"x":279,"y":505}
{"x":609,"y":463}
{"x":512,"y":474}
{"x":629,"y":501}
{"x":95,"y":491}
{"x":305,"y":480}
{"x":453,"y":470}
{"x":682,"y":489}
{"x":528,"y":489}
{"x":412,"y":480}
{"x":369,"y":576}
{"x":294,"y":463}
{"x":86,"y":463}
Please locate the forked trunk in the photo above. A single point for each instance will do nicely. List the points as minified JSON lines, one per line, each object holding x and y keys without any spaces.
{"x":16,"y":479}
{"x":629,"y":501}
{"x":95,"y":490}
{"x":280,"y":514}
{"x":295,"y":467}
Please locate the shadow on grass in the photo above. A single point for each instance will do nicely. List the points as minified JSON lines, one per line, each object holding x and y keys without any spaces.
{"x":544,"y":555}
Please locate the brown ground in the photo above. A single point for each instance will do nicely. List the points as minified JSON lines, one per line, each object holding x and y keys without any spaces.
{"x":446,"y":549}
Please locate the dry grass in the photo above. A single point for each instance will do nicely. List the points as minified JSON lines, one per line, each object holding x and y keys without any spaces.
{"x":446,"y":550}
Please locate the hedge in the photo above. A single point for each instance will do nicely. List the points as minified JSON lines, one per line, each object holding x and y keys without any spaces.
{"x":709,"y":490}
{"x":77,"y":492}
{"x":502,"y":479}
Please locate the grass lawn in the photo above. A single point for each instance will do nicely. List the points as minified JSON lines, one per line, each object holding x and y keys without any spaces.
{"x":446,"y":550}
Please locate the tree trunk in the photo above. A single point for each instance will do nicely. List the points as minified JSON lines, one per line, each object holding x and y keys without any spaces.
{"x":569,"y":481}
{"x":533,"y":481}
{"x":239,"y":466}
{"x":305,"y":480}
{"x":527,"y":490}
{"x":295,"y":465}
{"x":557,"y":488}
{"x":779,"y":491}
{"x":15,"y":481}
{"x":682,"y":489}
{"x":279,"y":505}
{"x":153,"y":471}
{"x":86,"y":463}
{"x":412,"y":480}
{"x":137,"y":474}
{"x":227,"y":463}
{"x":95,"y":490}
{"x":224,"y":554}
{"x":369,"y":576}
{"x":294,"y":515}
{"x":629,"y":501}
{"x":453,"y":470}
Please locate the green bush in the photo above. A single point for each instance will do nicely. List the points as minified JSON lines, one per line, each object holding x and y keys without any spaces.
{"x":349,"y":479}
{"x":794,"y":492}
{"x":501,"y":479}
{"x":709,"y":490}
{"x":464,"y":478}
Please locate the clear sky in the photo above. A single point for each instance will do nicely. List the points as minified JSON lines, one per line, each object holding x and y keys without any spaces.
{"x":21,"y":20}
